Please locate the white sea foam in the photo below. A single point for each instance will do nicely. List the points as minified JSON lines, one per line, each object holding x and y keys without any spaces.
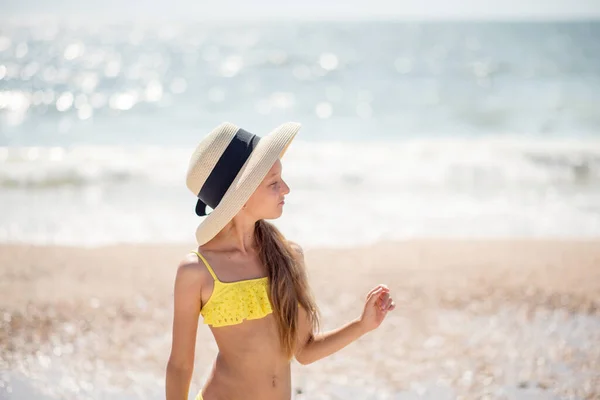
{"x":341,"y":193}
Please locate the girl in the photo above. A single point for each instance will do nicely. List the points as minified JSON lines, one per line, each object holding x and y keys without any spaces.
{"x":247,"y":281}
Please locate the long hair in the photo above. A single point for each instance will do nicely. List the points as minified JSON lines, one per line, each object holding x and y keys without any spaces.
{"x":288,"y":284}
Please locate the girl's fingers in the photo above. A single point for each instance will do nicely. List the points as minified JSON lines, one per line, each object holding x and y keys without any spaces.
{"x":391,"y":304}
{"x":383,"y":300}
{"x":386,"y":305}
{"x":376,"y":288}
{"x":373,"y":297}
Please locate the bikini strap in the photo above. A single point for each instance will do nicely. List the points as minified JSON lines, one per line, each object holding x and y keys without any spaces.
{"x":207,"y":265}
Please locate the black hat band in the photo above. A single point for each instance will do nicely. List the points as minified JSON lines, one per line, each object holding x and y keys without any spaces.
{"x":226,"y":169}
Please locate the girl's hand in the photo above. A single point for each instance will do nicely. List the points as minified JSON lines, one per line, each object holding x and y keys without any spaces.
{"x":377,"y":305}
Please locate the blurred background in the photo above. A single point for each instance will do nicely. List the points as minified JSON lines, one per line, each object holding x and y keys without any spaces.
{"x":451,"y":119}
{"x":421,"y":118}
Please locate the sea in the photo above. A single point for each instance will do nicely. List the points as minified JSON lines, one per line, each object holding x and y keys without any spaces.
{"x":410,"y":129}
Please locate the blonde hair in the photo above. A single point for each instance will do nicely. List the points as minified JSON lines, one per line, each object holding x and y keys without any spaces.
{"x":288,"y":284}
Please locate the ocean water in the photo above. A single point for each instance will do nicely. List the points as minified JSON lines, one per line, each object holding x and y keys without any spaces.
{"x":409,"y":129}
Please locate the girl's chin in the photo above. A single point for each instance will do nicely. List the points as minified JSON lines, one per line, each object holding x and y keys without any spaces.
{"x":276,"y":214}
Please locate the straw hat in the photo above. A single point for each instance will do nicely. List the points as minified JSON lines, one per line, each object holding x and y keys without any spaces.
{"x":227,"y":167}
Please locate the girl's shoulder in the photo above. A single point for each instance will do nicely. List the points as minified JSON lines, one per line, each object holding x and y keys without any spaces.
{"x":298,"y":251}
{"x":296,"y":247}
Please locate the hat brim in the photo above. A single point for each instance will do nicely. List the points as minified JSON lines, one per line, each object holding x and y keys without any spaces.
{"x":269,"y":149}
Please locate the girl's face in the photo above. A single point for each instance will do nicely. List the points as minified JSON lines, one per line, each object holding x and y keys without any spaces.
{"x":267,"y":200}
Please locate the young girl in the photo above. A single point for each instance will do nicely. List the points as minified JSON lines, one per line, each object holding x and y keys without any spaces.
{"x":249,"y":282}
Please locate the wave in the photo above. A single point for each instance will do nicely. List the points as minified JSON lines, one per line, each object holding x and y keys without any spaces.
{"x":49,"y":167}
{"x":398,"y":165}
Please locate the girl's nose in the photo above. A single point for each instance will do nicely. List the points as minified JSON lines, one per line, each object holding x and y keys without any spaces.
{"x":286,"y":188}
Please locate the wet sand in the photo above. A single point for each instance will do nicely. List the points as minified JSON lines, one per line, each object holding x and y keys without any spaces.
{"x":514,"y":319}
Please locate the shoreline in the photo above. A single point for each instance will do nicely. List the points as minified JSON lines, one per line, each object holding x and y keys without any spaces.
{"x":503,"y":317}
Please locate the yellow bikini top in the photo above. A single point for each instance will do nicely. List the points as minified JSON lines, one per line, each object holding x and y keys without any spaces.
{"x":232,"y":302}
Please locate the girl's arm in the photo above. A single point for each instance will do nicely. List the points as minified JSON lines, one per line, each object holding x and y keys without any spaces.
{"x":187,"y":303}
{"x":312,"y":348}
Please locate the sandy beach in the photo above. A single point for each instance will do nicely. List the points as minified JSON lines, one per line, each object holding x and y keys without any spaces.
{"x":514,"y":319}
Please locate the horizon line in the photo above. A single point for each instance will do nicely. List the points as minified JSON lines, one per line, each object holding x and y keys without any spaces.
{"x":224,"y":18}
